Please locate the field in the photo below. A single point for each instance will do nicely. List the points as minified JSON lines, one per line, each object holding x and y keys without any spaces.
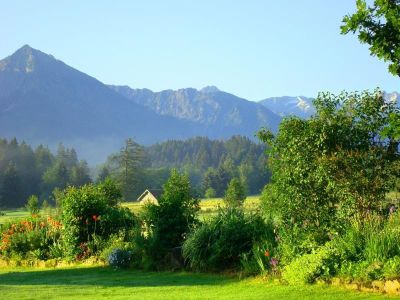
{"x":106,"y":283}
{"x":17,"y":214}
{"x":208,"y":207}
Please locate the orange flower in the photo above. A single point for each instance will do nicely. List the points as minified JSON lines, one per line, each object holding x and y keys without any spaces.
{"x":267,"y":254}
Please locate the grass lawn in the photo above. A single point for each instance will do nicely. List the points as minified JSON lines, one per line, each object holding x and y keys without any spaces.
{"x":106,"y":283}
{"x":18,"y":214}
{"x":13,"y":215}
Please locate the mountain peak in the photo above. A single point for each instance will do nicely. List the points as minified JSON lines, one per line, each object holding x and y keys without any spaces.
{"x":209,"y":89}
{"x":24,"y":60}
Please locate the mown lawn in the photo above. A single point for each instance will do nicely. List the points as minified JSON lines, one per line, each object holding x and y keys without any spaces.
{"x":106,"y":283}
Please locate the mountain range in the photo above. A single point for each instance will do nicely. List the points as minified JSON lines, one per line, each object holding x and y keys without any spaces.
{"x":43,"y":100}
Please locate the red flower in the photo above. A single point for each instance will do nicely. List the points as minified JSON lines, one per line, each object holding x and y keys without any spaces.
{"x":94,"y":217}
{"x":267,"y":254}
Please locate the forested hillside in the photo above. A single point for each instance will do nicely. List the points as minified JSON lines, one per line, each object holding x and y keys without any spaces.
{"x":209,"y":163}
{"x":25,"y":171}
{"x":215,"y":161}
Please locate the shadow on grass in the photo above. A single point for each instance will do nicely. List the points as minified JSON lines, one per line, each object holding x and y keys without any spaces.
{"x":105,"y":276}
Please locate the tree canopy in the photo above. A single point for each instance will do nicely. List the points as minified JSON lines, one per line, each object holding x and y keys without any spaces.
{"x":379,"y":27}
{"x":339,"y":163}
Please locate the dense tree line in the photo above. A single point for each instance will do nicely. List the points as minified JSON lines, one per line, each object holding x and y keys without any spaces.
{"x":210,"y":164}
{"x":25,"y":171}
{"x":213,"y":163}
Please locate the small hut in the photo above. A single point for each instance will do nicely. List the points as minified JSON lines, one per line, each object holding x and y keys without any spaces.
{"x":149,"y":196}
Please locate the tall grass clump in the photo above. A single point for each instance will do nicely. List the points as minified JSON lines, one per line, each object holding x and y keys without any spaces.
{"x":220,"y":243}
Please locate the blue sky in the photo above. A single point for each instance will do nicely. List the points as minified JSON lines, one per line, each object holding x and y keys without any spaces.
{"x":254,"y":49}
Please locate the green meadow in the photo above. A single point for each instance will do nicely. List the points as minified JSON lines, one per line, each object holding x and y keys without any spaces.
{"x":108,"y":283}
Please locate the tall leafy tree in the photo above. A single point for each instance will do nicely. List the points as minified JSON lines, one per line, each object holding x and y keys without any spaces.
{"x":379,"y":27}
{"x":170,"y":221}
{"x":335,"y":165}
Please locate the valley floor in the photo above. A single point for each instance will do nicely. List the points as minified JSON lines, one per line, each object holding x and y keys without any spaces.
{"x":107,"y":283}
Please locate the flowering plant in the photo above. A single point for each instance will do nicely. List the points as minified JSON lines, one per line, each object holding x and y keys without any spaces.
{"x":34,"y":234}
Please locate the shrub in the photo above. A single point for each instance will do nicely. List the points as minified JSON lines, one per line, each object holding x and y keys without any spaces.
{"x":337,"y":163}
{"x":119,"y":258}
{"x":32,"y":205}
{"x":110,"y":190}
{"x":368,"y":250}
{"x":219,"y":243}
{"x":262,"y":258}
{"x":210,"y":193}
{"x":166,"y":225}
{"x":309,"y":267}
{"x":235,"y":193}
{"x":89,"y":220}
{"x":37,"y":237}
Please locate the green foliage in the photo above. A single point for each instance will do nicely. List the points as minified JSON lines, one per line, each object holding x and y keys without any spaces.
{"x":127,"y":169}
{"x":88,"y":219}
{"x":379,"y":27}
{"x":235,"y":193}
{"x":213,"y":163}
{"x":45,"y":205}
{"x":167,"y":223}
{"x":330,"y":167}
{"x":210,"y":193}
{"x":11,"y":188}
{"x":32,"y":205}
{"x":368,"y":250}
{"x":309,"y":267}
{"x":25,"y":172}
{"x":262,"y":258}
{"x":31,"y":238}
{"x":219,"y":243}
{"x":110,"y":190}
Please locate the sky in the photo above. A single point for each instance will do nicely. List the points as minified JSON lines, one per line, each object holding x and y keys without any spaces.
{"x":253,"y":49}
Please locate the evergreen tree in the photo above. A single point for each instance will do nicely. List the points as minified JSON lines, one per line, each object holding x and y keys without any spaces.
{"x":80,"y":174}
{"x":130,"y":168}
{"x":235,"y":193}
{"x":11,"y":188}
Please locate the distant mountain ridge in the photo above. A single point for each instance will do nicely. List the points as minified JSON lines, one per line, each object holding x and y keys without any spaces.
{"x":208,"y":106}
{"x":43,"y":100}
{"x":286,"y":106}
{"x":303,"y":107}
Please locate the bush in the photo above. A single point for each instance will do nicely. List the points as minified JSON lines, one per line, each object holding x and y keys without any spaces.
{"x":368,"y":250}
{"x":32,"y":205}
{"x":89,"y":220}
{"x":35,"y":237}
{"x":166,"y":225}
{"x":210,"y":193}
{"x":309,"y":267}
{"x":262,"y":258}
{"x":119,"y":258}
{"x":325,"y":169}
{"x":235,"y":193}
{"x":219,"y":243}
